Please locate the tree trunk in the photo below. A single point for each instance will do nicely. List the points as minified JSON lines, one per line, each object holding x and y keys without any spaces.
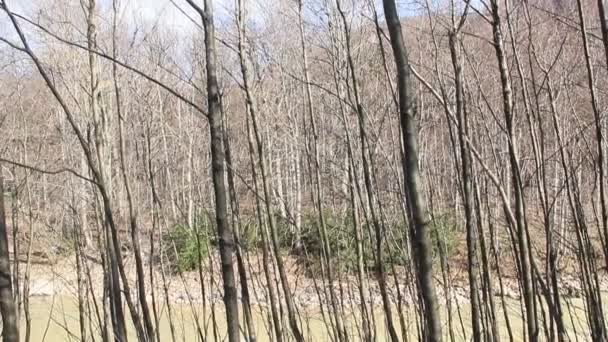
{"x":467,"y":197}
{"x":520,"y":221}
{"x":226,"y":237}
{"x":418,"y":216}
{"x":10,"y":332}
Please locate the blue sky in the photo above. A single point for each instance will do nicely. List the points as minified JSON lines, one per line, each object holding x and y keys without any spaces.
{"x":144,"y":13}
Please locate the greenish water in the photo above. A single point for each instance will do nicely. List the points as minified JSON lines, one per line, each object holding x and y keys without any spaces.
{"x":56,"y":319}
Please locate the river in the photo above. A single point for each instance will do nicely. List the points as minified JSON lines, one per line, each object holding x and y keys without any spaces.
{"x":56,"y":319}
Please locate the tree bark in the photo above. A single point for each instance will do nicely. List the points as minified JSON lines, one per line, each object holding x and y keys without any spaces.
{"x":226,"y":237}
{"x":467,"y":197}
{"x":599,"y":134}
{"x":10,"y":332}
{"x":520,"y":221}
{"x":418,"y":215}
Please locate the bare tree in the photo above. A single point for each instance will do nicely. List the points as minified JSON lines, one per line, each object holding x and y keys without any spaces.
{"x":418,"y":216}
{"x":218,"y":157}
{"x":10,"y":330}
{"x":335,"y":210}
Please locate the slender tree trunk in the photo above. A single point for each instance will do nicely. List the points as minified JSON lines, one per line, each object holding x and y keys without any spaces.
{"x":236,"y":223}
{"x":226,"y":236}
{"x":604,"y":27}
{"x":135,"y":238}
{"x":465,"y":156}
{"x":318,"y":185}
{"x":100,"y":123}
{"x":266,"y":255}
{"x":252,"y":106}
{"x":10,"y":328}
{"x":418,"y":215}
{"x":520,"y":222}
{"x":599,"y":134}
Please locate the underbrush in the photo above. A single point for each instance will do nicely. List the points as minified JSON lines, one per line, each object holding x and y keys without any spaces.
{"x":444,"y":232}
{"x":184,"y":246}
{"x":342,"y":243}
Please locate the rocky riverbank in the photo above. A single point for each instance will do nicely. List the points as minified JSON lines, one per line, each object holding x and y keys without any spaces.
{"x":59,"y":278}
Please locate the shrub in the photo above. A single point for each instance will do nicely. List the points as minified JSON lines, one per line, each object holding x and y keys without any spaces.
{"x":444,"y":234}
{"x":396,"y":244}
{"x":337,"y":230}
{"x":183,"y":246}
{"x":343,"y":245}
{"x":307,"y":247}
{"x":250,"y":236}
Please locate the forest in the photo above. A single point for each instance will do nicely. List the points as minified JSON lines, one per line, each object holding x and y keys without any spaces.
{"x":303,"y":170}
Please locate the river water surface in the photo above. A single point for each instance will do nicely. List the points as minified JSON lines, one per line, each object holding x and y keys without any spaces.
{"x":55,"y":319}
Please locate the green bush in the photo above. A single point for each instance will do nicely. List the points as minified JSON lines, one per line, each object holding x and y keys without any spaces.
{"x":396,"y":244}
{"x":307,"y":246}
{"x":286,"y":232}
{"x":443,"y":231}
{"x":444,"y":234}
{"x":183,"y":245}
{"x":337,"y":230}
{"x":250,"y":236}
{"x":340,"y":240}
{"x":343,"y":245}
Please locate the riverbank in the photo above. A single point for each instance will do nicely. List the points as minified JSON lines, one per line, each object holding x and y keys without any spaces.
{"x":59,"y":278}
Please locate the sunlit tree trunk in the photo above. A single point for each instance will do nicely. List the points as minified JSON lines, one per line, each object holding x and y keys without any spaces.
{"x":418,"y":215}
{"x":521,"y":226}
{"x":226,"y":237}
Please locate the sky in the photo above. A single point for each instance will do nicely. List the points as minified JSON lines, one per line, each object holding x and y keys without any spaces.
{"x":165,"y":11}
{"x":144,"y":14}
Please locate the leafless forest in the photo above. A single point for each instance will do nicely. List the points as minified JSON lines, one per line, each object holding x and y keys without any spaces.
{"x":304,"y":170}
